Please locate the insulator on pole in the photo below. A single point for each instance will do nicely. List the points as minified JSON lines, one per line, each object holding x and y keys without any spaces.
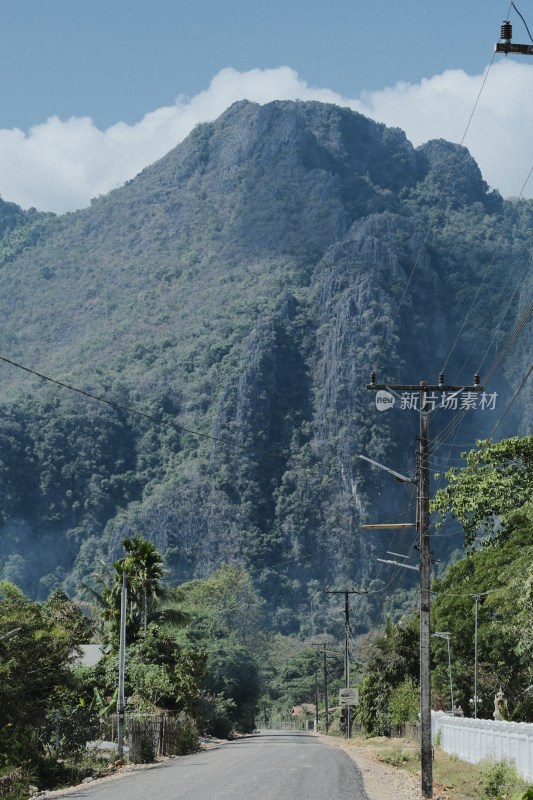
{"x":476,"y":379}
{"x":372,"y":378}
{"x":441,"y":378}
{"x":506,"y":31}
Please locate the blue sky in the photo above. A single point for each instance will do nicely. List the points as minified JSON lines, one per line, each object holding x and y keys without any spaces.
{"x":93,"y":91}
{"x":114,"y":60}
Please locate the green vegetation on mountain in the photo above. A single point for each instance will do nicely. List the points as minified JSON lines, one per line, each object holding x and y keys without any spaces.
{"x":242,"y":288}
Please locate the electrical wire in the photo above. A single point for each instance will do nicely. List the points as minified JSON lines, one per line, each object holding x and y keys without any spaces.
{"x":495,"y":305}
{"x":433,"y":223}
{"x":526,"y":316}
{"x":510,"y":403}
{"x":458,"y":419}
{"x":523,"y":20}
{"x":117,"y":406}
{"x":498,"y":247}
{"x":487,"y":270}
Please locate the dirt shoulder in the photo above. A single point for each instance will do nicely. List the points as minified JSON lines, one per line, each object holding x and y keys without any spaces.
{"x":381,"y":781}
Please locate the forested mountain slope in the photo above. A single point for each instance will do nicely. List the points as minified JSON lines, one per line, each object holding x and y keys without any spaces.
{"x":243,"y":287}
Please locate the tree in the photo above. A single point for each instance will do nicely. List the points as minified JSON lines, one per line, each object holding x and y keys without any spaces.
{"x":143,"y":565}
{"x":497,"y":479}
{"x":393,"y":661}
{"x":36,"y":653}
{"x":65,"y":614}
{"x":224,"y":615}
{"x":503,"y":571}
{"x":162,"y":674}
{"x":491,"y":495}
{"x":227,"y":603}
{"x":295,"y":679}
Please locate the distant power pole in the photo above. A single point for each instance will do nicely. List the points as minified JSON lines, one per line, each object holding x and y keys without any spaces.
{"x":424,"y":389}
{"x":347,"y":593}
{"x":324,"y":645}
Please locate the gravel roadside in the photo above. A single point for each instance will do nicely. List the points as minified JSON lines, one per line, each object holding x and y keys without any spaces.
{"x":381,"y":781}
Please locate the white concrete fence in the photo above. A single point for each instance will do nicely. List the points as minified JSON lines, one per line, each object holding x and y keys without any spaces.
{"x":475,"y":739}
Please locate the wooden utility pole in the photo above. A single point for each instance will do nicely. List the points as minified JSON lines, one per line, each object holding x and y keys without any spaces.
{"x":347,"y":593}
{"x":324,"y":646}
{"x":424,"y":389}
{"x":426,"y":753}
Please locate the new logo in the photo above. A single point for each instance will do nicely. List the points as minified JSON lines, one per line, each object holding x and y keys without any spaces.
{"x":384,"y":400}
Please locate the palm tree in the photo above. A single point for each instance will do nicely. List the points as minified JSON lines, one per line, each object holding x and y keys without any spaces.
{"x":143,"y":564}
{"x":148,"y":600}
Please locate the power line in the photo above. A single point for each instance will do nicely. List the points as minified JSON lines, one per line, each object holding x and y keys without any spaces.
{"x":523,"y":20}
{"x":510,"y":342}
{"x":510,"y":403}
{"x":121,"y":407}
{"x":496,"y":304}
{"x":487,"y":270}
{"x":456,"y":422}
{"x":433,"y":223}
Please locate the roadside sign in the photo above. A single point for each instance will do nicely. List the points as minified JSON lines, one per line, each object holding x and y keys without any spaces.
{"x":349,"y":697}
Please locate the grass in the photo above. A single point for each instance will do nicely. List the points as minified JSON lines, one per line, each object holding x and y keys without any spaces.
{"x":453,"y":779}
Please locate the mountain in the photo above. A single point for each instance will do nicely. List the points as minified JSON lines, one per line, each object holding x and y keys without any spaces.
{"x":243,"y":288}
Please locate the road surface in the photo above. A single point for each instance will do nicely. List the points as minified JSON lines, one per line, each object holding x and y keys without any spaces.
{"x":275,"y":765}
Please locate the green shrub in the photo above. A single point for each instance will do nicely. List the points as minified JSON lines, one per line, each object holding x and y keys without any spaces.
{"x":217,"y":716}
{"x":404,"y":703}
{"x":498,"y":779}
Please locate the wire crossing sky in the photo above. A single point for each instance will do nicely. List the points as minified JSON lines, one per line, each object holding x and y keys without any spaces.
{"x":93,"y":92}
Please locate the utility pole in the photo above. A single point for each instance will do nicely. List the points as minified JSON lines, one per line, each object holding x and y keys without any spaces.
{"x":324,"y":647}
{"x":347,"y":593}
{"x":326,"y":694}
{"x":121,"y":667}
{"x":425,"y":390}
{"x":316,"y":702}
{"x":426,"y":750}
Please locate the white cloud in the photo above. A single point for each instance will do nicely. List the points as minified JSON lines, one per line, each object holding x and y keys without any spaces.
{"x":60,"y":165}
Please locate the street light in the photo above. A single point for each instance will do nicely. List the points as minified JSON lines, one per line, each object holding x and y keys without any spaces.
{"x":478,"y":598}
{"x":446,"y":635}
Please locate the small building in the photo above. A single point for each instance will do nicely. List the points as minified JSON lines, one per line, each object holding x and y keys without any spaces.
{"x":305,"y":714}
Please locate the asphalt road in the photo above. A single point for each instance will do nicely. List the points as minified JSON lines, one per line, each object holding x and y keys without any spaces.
{"x":274,"y":765}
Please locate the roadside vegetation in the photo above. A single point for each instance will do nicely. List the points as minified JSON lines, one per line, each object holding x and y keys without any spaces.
{"x":193,"y":653}
{"x":202,"y":653}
